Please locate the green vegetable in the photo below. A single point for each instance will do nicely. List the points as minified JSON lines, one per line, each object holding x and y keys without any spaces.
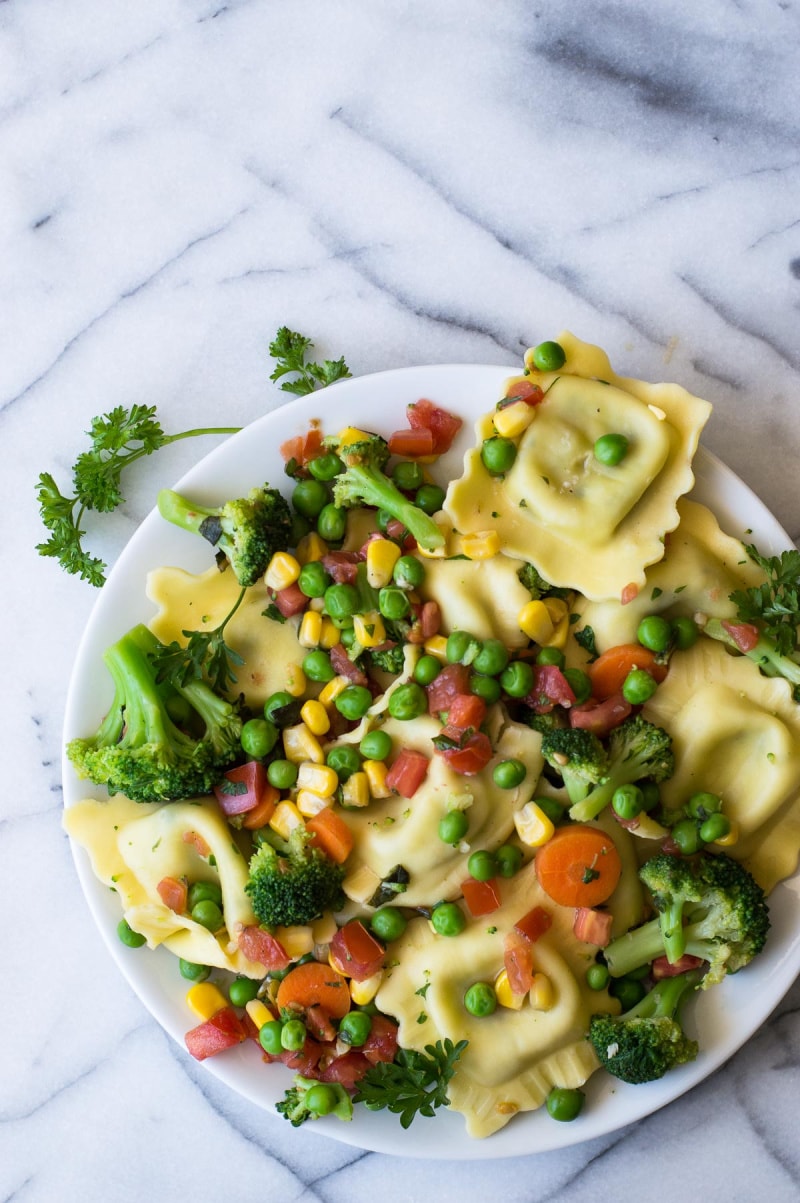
{"x":204,"y":657}
{"x":628,"y":801}
{"x":549,"y":356}
{"x":332,"y":523}
{"x":388,"y":923}
{"x":282,"y":774}
{"x":289,"y":349}
{"x":413,"y":1084}
{"x":259,"y":737}
{"x":509,"y":860}
{"x":498,"y":455}
{"x":309,"y":497}
{"x":308,"y":1099}
{"x":578,"y":756}
{"x":325,"y":467}
{"x":453,"y":827}
{"x":353,"y":702}
{"x":204,"y":891}
{"x":129,"y":937}
{"x":317,"y":666}
{"x":242,"y":990}
{"x":766,"y":654}
{"x":407,"y":475}
{"x":407,"y":702}
{"x":492,"y":658}
{"x":775,"y":605}
{"x":376,"y":745}
{"x":269,"y":1037}
{"x":313,"y":579}
{"x":429,"y":498}
{"x":393,"y":602}
{"x":482,"y":865}
{"x":488,"y":688}
{"x":646,"y":1041}
{"x":564,"y":1104}
{"x":448,"y":919}
{"x":655,"y":633}
{"x":293,"y":1035}
{"x":685,"y":633}
{"x":409,"y":572}
{"x":344,"y":760}
{"x":638,"y":687}
{"x":636,"y":749}
{"x":293,"y":882}
{"x":508,"y":774}
{"x":341,"y":601}
{"x":355,"y":1027}
{"x":462,"y":648}
{"x":208,"y":914}
{"x":611,"y":449}
{"x":517,"y":679}
{"x":480,"y":999}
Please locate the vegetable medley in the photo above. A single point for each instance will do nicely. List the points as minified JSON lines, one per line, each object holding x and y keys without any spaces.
{"x":462,"y":789}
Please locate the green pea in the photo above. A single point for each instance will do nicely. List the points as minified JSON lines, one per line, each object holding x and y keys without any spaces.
{"x":342,"y":600}
{"x":509,"y":860}
{"x":488,"y":688}
{"x":703,"y":805}
{"x":453,"y":827}
{"x":376,"y":745}
{"x":716,"y":827}
{"x":448,"y":919}
{"x":628,"y":990}
{"x":627,"y":801}
{"x":193,"y":972}
{"x":326,"y":467}
{"x":314,"y":579}
{"x":482,"y":865}
{"x":317,"y":666}
{"x":429,"y":498}
{"x":282,"y":774}
{"x":269,"y":1037}
{"x":347,"y":635}
{"x":321,"y":1099}
{"x":282,"y":700}
{"x":579,"y":683}
{"x":208,"y":915}
{"x":550,"y":655}
{"x":655,"y":633}
{"x":426,"y":669}
{"x":564,"y":1104}
{"x":204,"y":891}
{"x":517,"y":679}
{"x":480,"y":999}
{"x":549,"y":356}
{"x":309,"y":497}
{"x":332,"y":523}
{"x":611,"y":449}
{"x":686,"y":836}
{"x":242,"y":990}
{"x":597,"y":976}
{"x":508,"y":774}
{"x":408,"y":476}
{"x":258,"y":737}
{"x":388,"y":923}
{"x":498,"y":455}
{"x":409,"y":572}
{"x":355,"y":1027}
{"x":552,"y":808}
{"x":651,"y":796}
{"x":353,"y":702}
{"x":129,"y":937}
{"x":492,"y":658}
{"x":344,"y":760}
{"x":462,"y":647}
{"x":638,"y":687}
{"x":293,"y":1035}
{"x":685,"y":633}
{"x":300,"y":528}
{"x":408,"y":701}
{"x":393,"y":602}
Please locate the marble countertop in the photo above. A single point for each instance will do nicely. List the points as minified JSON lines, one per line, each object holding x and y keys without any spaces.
{"x":406,"y":183}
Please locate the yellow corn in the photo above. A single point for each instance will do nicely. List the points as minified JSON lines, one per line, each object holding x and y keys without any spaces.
{"x":295,"y":680}
{"x":542,"y":993}
{"x":505,"y":995}
{"x":481,"y":545}
{"x":205,"y":999}
{"x":282,"y":571}
{"x":316,"y":718}
{"x":375,"y":772}
{"x":321,"y":779}
{"x":330,"y":634}
{"x":311,"y":547}
{"x":364,"y":991}
{"x":300,"y":744}
{"x":310,"y":631}
{"x":512,"y":420}
{"x":436,"y":646}
{"x":330,"y":692}
{"x":285,"y":819}
{"x":557,"y":608}
{"x":534,"y":619}
{"x":310,"y":804}
{"x":351,"y":434}
{"x":355,"y":790}
{"x":533,"y":826}
{"x":361,"y":884}
{"x":731,"y":838}
{"x":258,"y":1012}
{"x":559,"y":636}
{"x":382,"y":555}
{"x":436,"y":553}
{"x":369,"y":628}
{"x":296,"y":940}
{"x":324,"y":929}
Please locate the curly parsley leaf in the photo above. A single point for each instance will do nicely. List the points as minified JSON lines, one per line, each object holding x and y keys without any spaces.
{"x":413,"y":1084}
{"x":585,"y":638}
{"x":289,"y":350}
{"x":205,"y":657}
{"x":774,"y":606}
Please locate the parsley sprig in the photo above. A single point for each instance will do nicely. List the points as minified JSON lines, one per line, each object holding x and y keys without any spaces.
{"x":289,"y":350}
{"x":774,"y":606}
{"x":205,"y":657}
{"x":413,"y":1084}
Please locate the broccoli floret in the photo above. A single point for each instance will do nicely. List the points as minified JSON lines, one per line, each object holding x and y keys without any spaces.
{"x":293,"y":882}
{"x":388,"y":660}
{"x":537,"y":586}
{"x":364,"y":482}
{"x":648,"y":1040}
{"x":764,"y":653}
{"x":721,"y":910}
{"x":247,"y":531}
{"x":578,"y":756}
{"x":138,"y":750}
{"x":553,"y":720}
{"x":308,"y":1099}
{"x":636,"y":749}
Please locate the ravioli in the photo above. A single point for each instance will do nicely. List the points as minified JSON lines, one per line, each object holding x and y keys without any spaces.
{"x":585,"y":525}
{"x":483,"y":597}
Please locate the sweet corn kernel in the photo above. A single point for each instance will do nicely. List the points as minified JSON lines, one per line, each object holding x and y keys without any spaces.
{"x":310,"y":631}
{"x":285,"y":819}
{"x":297,"y":940}
{"x":481,"y":545}
{"x":557,"y":608}
{"x":361,"y":884}
{"x":382,"y":555}
{"x":731,"y":838}
{"x":258,"y":1012}
{"x":559,"y":637}
{"x":311,"y":547}
{"x":330,"y":692}
{"x":534,"y":619}
{"x":512,"y":420}
{"x":300,"y":744}
{"x":282,"y":571}
{"x":330,"y":634}
{"x":351,"y":434}
{"x":321,"y":779}
{"x":316,"y":718}
{"x":355,"y":790}
{"x":542,"y":993}
{"x":205,"y":999}
{"x":369,"y":628}
{"x":505,"y":995}
{"x":533,"y":826}
{"x":295,"y":680}
{"x":324,"y":929}
{"x":375,"y":771}
{"x":310,"y":804}
{"x":436,"y":646}
{"x":364,"y":991}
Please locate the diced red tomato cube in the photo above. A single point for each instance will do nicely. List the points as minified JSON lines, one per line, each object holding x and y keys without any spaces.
{"x":303,"y":447}
{"x":381,"y":1044}
{"x":215,"y":1035}
{"x":444,"y":426}
{"x":534,"y":924}
{"x":452,"y":682}
{"x":173,"y":892}
{"x":347,"y":1070}
{"x":523,"y":390}
{"x":408,"y":772}
{"x":518,"y":962}
{"x":550,"y":688}
{"x":600,"y":717}
{"x":412,"y":442}
{"x":241,"y":789}
{"x":743,"y":634}
{"x":356,"y":953}
{"x":482,"y":897}
{"x":662,"y":967}
{"x":593,"y":927}
{"x":304,"y":1060}
{"x":469,"y":758}
{"x":290,"y":600}
{"x":262,"y":948}
{"x":466,"y":710}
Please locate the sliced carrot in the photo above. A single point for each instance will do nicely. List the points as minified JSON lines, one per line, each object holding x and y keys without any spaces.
{"x":264,"y":809}
{"x":609,"y":671}
{"x":314,"y":984}
{"x":332,"y":834}
{"x":578,"y":866}
{"x":173,"y":892}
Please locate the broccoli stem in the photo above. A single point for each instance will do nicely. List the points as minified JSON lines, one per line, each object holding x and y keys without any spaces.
{"x":145,"y":718}
{"x":373,"y":488}
{"x":763,"y":653}
{"x":636,"y":948}
{"x":665,"y":998}
{"x":189,"y":516}
{"x":600,"y":795}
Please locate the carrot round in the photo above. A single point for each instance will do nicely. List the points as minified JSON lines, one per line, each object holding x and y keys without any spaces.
{"x":332,"y":834}
{"x":578,"y":866}
{"x":609,"y":671}
{"x":314,"y":984}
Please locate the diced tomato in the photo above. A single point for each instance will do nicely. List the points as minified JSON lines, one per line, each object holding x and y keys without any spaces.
{"x":291,"y":600}
{"x":381,"y":1044}
{"x":342,"y":566}
{"x":195,"y":838}
{"x":466,"y":710}
{"x":343,"y":666}
{"x":629,"y":594}
{"x":550,"y":688}
{"x":451,"y":682}
{"x":347,"y":1070}
{"x":215,"y":1035}
{"x":593,"y":927}
{"x":173,"y":892}
{"x":469,"y":758}
{"x":743,"y":634}
{"x":600,"y":717}
{"x":241,"y":789}
{"x":395,"y":530}
{"x":444,"y":426}
{"x":412,"y":442}
{"x":534,"y":924}
{"x":304,"y":1060}
{"x":430,"y":619}
{"x":518,"y":962}
{"x":319,"y":1024}
{"x":523,"y":390}
{"x":262,"y":948}
{"x":408,"y":772}
{"x":303,"y":447}
{"x":356,"y":953}
{"x":482,"y":897}
{"x":662,"y":967}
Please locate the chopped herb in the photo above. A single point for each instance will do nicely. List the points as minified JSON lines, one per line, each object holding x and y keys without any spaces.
{"x":656,"y":593}
{"x":585,"y":638}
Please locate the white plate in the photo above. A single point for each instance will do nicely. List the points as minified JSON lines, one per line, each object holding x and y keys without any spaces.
{"x":724,"y":1018}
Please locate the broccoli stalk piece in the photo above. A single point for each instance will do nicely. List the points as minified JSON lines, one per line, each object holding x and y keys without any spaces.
{"x":709,"y":907}
{"x":636,"y":749}
{"x":247,"y":531}
{"x":578,"y":756}
{"x":138,"y":750}
{"x":647,"y":1041}
{"x":764,"y":653}
{"x":292,"y":882}
{"x":364,"y":482}
{"x":308,"y":1099}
